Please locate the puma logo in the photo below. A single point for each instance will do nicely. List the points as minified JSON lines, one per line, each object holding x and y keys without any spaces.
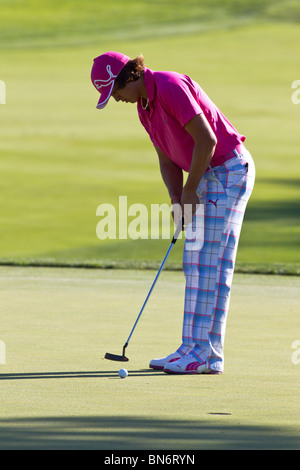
{"x":213,"y":202}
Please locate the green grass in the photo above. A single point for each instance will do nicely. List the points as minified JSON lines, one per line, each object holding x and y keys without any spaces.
{"x":60,"y":158}
{"x":57,"y":391}
{"x":55,"y":23}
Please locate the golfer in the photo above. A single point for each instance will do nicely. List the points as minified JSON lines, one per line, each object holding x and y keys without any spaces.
{"x":190,"y":134}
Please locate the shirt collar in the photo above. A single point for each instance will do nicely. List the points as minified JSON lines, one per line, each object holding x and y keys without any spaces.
{"x":149,"y":83}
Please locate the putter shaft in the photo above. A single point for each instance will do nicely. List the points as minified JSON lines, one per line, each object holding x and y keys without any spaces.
{"x":114,"y":357}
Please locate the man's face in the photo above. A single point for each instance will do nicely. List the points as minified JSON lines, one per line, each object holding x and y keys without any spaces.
{"x":128,"y":94}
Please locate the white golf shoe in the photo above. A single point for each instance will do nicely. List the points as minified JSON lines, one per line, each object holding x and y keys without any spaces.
{"x":188,"y":365}
{"x":159,"y":364}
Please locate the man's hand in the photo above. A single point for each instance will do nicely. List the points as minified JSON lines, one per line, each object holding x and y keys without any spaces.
{"x":176,"y":210}
{"x":185,"y":207}
{"x":189,"y":202}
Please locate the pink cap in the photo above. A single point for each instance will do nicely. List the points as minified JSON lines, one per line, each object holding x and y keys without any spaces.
{"x":105,"y":70}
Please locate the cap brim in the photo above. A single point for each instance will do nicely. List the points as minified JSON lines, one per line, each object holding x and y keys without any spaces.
{"x":104,"y":98}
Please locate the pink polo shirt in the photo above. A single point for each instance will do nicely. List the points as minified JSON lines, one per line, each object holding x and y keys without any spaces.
{"x":174,"y":99}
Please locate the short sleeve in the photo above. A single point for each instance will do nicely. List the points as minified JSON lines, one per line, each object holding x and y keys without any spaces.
{"x":179,"y":99}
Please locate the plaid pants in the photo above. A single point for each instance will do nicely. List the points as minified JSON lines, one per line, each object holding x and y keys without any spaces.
{"x":208,"y":260}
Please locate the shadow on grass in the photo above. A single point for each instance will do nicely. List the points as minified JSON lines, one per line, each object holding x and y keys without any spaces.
{"x":134,"y":433}
{"x":80,"y":374}
{"x":274,"y":210}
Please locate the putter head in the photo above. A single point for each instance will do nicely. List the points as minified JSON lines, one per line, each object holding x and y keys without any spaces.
{"x":115,"y":357}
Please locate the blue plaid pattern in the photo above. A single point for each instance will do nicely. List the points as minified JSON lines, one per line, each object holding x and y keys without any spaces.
{"x":224,"y":191}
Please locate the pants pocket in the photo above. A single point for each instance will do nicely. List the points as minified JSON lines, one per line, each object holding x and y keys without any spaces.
{"x":234,"y":177}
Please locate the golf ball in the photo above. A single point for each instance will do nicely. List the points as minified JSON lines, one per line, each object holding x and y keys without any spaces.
{"x":123,"y":373}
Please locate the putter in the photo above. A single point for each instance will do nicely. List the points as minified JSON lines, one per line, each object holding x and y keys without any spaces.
{"x":123,"y":358}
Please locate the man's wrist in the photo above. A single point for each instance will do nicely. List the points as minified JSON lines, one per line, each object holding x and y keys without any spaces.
{"x":175,"y":199}
{"x":191,"y":187}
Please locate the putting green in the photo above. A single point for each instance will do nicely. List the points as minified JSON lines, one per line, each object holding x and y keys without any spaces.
{"x":57,"y":391}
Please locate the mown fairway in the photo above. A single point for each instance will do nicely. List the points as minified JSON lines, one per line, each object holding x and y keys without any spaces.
{"x":57,"y":391}
{"x":61,"y":158}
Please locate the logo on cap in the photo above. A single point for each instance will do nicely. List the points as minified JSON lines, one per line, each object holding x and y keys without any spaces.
{"x":99,"y":84}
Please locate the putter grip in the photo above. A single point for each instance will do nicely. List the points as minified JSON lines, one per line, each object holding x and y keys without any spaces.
{"x":178,"y":231}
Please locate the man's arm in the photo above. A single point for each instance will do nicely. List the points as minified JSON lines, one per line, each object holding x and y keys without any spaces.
{"x":171,"y":174}
{"x":173,"y":178}
{"x":205,"y":144}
